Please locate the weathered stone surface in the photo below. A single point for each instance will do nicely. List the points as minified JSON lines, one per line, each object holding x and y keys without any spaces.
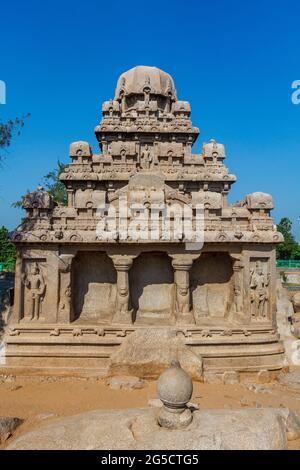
{"x":176,"y":420}
{"x":82,"y":287}
{"x":296,"y":301}
{"x":148,"y":352}
{"x":230,"y":378}
{"x":262,"y":429}
{"x":284,"y":300}
{"x":285,"y":316}
{"x":295,"y":298}
{"x":126,"y":382}
{"x":293,"y":426}
{"x":291,"y":379}
{"x":7,"y":426}
{"x":264,"y":377}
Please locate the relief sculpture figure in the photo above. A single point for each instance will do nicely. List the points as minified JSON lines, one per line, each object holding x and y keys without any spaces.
{"x":36,"y":286}
{"x":259,"y":283}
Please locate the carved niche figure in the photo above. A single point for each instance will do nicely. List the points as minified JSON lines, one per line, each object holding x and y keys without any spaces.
{"x":182,"y":299}
{"x":65,"y":301}
{"x":146,"y":158}
{"x":122,"y":265}
{"x":123,"y":155}
{"x":36,"y":285}
{"x":147,"y":89}
{"x":122,"y":299}
{"x":238,"y":282}
{"x":65,"y":292}
{"x":238,"y":299}
{"x":259,"y":282}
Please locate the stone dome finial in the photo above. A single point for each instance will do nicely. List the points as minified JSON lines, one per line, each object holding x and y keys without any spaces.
{"x":134,"y":81}
{"x":175,"y":389}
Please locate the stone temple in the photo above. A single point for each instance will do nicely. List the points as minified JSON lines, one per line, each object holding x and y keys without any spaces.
{"x":116,"y":258}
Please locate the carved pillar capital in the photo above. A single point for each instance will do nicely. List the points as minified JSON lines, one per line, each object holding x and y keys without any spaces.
{"x":237,"y":261}
{"x":122,"y":262}
{"x":65,"y":262}
{"x":238,"y":265}
{"x":235,"y":256}
{"x":183,"y":262}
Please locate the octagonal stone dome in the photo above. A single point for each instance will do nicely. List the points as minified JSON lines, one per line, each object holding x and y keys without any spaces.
{"x":141,"y":78}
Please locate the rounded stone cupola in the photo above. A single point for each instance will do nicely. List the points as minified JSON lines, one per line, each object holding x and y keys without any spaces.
{"x":141,"y":79}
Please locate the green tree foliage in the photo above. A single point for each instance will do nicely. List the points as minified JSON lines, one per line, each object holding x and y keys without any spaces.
{"x":7,"y":248}
{"x":7,"y":130}
{"x":53,"y":186}
{"x":289,"y":249}
{"x":296,"y":252}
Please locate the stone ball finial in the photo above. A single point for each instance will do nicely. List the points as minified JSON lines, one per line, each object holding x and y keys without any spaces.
{"x":174,"y":389}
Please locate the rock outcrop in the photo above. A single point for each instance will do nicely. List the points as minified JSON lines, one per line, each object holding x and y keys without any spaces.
{"x":247,"y":429}
{"x":285,"y":318}
{"x":7,"y":426}
{"x":146,"y":353}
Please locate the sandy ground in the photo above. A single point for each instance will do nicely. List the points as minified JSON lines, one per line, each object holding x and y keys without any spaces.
{"x":41,"y":400}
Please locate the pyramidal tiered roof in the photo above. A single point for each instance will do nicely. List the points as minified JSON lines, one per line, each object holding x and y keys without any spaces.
{"x":145,"y":138}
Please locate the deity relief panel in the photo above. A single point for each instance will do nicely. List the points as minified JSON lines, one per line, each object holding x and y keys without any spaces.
{"x":34,"y":284}
{"x":146,"y":158}
{"x":259,"y":288}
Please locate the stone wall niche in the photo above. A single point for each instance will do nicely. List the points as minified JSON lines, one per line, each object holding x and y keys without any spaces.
{"x":34,"y":289}
{"x":94,"y":287}
{"x":152,"y":289}
{"x":259,"y":289}
{"x":211,"y":280}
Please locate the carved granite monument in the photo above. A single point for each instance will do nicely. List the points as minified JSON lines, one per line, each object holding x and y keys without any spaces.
{"x":147,"y":240}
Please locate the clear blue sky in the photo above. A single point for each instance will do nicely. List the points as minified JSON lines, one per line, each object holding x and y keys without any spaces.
{"x":233,"y":60}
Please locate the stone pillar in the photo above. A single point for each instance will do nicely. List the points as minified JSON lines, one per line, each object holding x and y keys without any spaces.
{"x":225,"y":193}
{"x":123,"y":314}
{"x":65,"y":289}
{"x":104,"y":147}
{"x":19,"y":288}
{"x":182,"y":265}
{"x":238,"y":287}
{"x":70,"y":192}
